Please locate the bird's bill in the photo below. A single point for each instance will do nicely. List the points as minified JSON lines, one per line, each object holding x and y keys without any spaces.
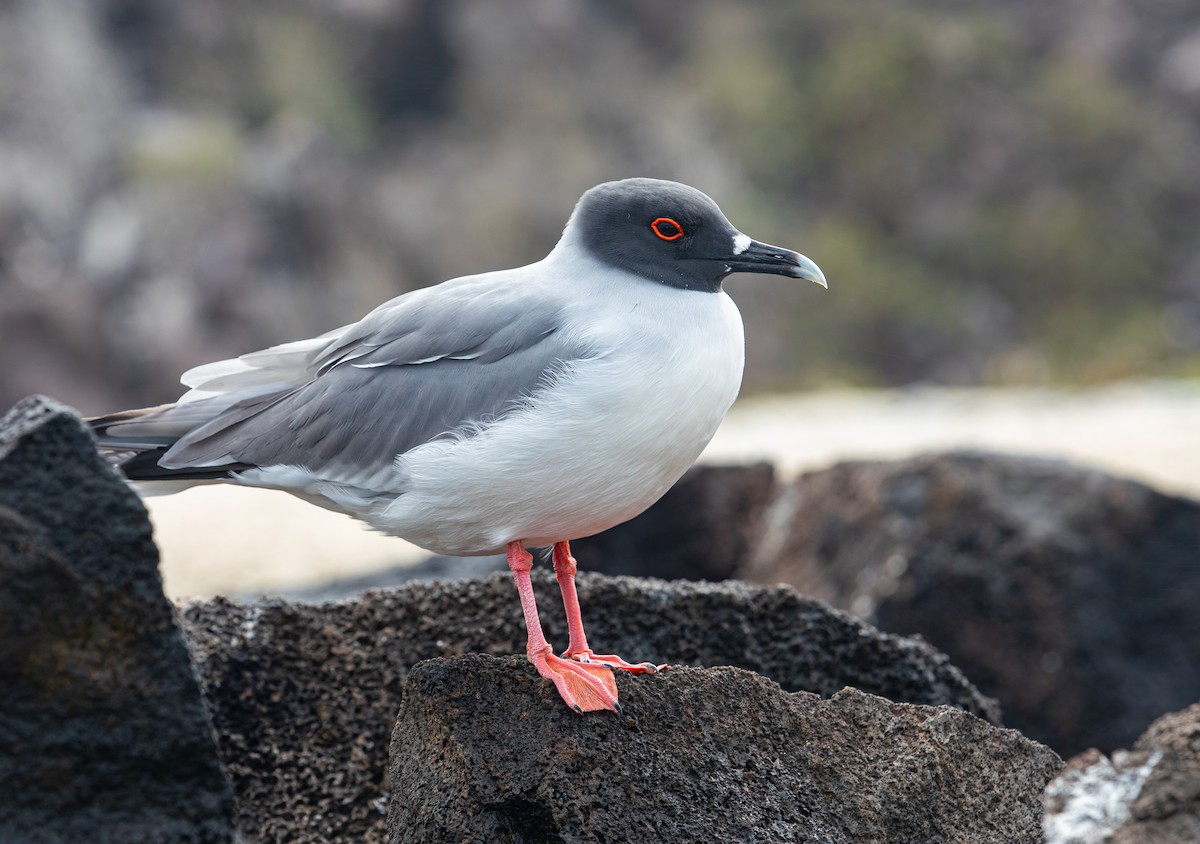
{"x":764,"y":258}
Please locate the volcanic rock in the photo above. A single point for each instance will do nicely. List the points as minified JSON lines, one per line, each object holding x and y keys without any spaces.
{"x":103,"y":731}
{"x":1068,"y":594}
{"x":483,"y":751}
{"x":304,"y":696}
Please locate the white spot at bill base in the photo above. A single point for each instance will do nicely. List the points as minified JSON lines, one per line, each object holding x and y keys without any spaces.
{"x":741,"y":243}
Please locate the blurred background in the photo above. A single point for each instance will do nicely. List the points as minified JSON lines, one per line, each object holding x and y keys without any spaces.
{"x":1004,"y":196}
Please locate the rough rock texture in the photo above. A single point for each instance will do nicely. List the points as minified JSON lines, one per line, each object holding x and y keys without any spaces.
{"x":702,"y":529}
{"x":438,"y":567}
{"x":103,"y":732}
{"x":304,"y":697}
{"x":1068,"y":594}
{"x":1150,"y":795}
{"x":482,"y":753}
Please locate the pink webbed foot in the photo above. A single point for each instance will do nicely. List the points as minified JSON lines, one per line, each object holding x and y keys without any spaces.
{"x":578,"y":650}
{"x":585,"y":687}
{"x":587,"y":657}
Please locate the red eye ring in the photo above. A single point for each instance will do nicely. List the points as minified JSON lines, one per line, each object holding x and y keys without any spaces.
{"x":668,"y":222}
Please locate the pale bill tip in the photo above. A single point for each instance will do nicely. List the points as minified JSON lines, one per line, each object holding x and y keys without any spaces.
{"x":807,"y":269}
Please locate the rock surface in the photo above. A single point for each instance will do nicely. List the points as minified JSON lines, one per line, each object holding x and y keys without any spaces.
{"x":1068,"y":594}
{"x":104,"y":735}
{"x":304,"y":697}
{"x":1150,"y":795}
{"x":103,"y":731}
{"x":482,"y":753}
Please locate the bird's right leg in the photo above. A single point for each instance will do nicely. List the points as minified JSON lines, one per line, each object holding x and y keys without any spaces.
{"x":585,"y":687}
{"x":578,"y":649}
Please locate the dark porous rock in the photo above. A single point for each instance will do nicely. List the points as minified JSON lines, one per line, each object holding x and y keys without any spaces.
{"x":1070,"y":595}
{"x":103,"y":731}
{"x":702,"y":529}
{"x":434,"y":567}
{"x":1150,"y":795}
{"x":483,"y":751}
{"x":304,"y":697}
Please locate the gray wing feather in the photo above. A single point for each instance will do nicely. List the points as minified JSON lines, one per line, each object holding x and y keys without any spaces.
{"x":455,"y":319}
{"x":430,"y":363}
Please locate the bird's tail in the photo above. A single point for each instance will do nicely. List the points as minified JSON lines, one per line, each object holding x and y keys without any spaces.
{"x":221,"y":394}
{"x":135,"y":440}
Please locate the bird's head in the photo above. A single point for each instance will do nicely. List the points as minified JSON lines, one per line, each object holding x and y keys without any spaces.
{"x":675,"y":235}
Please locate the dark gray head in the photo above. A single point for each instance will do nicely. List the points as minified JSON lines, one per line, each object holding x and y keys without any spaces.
{"x":675,"y":235}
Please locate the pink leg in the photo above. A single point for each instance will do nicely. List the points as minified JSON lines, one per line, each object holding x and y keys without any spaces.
{"x":585,"y":688}
{"x":564,"y":570}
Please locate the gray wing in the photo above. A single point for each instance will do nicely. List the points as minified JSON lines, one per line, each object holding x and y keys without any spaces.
{"x":432,"y":362}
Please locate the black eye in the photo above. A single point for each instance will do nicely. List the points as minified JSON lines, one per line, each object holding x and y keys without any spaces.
{"x":667,"y":229}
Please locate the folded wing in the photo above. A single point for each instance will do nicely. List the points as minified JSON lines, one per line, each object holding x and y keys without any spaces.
{"x":440,"y":361}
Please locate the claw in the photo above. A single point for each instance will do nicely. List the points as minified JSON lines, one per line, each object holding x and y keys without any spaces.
{"x":586,"y":657}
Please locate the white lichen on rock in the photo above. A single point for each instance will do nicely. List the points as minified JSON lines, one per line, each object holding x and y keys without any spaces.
{"x":1086,"y":804}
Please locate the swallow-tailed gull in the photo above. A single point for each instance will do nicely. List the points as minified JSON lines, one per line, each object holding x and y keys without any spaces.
{"x":522,"y":407}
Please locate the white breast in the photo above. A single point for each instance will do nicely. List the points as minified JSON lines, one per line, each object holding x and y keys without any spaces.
{"x":596,"y":448}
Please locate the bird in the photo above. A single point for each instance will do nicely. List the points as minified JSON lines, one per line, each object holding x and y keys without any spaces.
{"x":514,"y":409}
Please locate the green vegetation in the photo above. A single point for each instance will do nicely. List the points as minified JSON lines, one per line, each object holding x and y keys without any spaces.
{"x":999,"y":191}
{"x":983,"y":191}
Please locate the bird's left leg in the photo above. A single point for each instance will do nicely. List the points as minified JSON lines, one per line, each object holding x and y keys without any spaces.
{"x":564,"y":571}
{"x":584,"y":688}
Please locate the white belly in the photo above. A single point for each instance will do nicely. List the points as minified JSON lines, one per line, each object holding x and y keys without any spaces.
{"x":599,"y":447}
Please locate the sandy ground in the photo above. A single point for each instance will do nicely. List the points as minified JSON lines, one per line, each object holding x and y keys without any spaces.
{"x":227,"y":540}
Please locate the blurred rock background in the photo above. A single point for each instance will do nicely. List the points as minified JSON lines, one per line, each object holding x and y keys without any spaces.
{"x":1001,"y":192}
{"x":1005,"y":196}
